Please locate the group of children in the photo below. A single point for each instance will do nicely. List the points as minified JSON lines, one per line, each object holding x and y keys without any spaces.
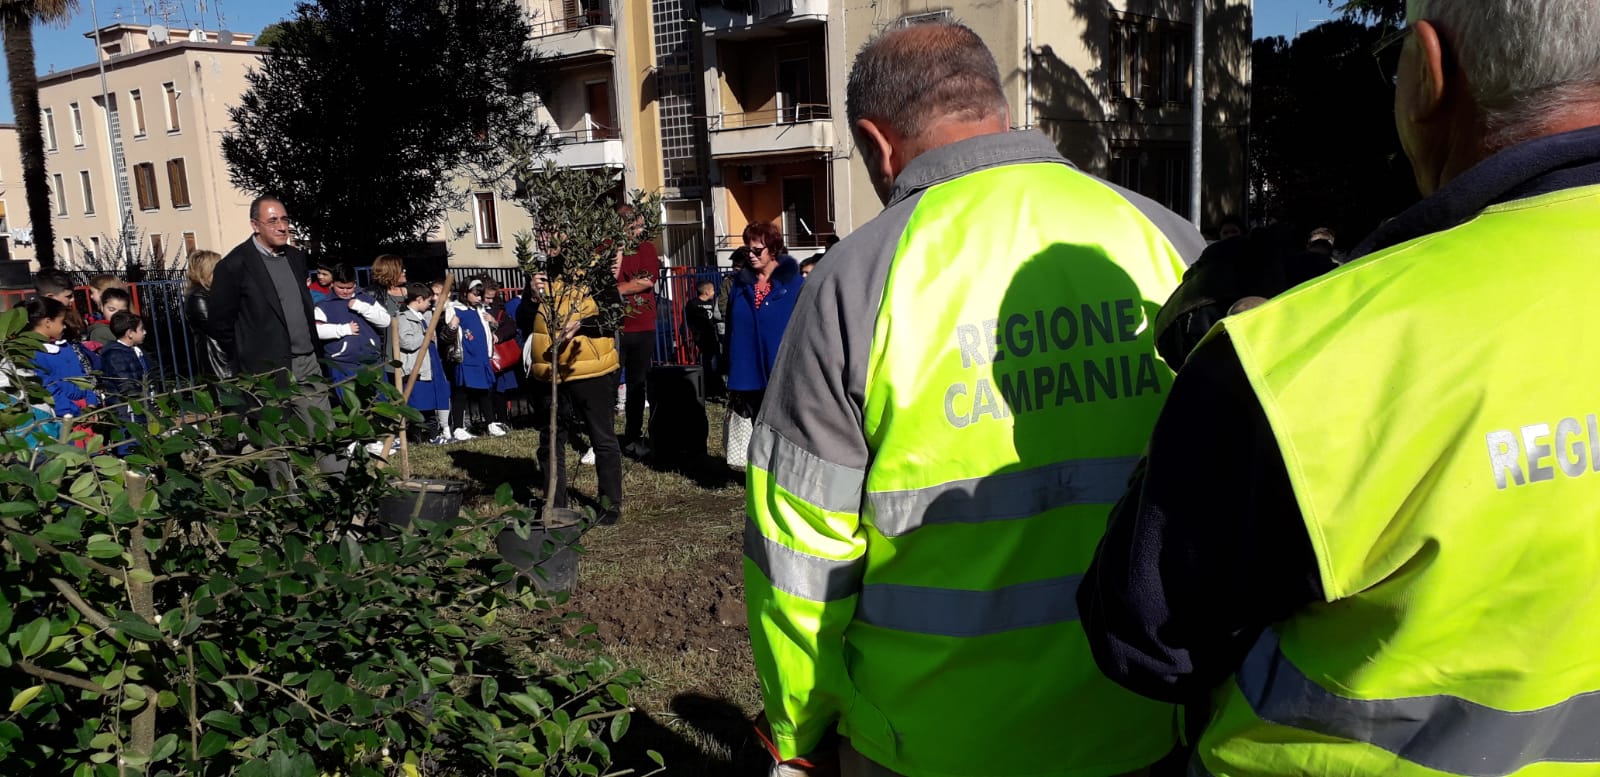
{"x":87,"y":361}
{"x":468,"y":366}
{"x":471,"y":364}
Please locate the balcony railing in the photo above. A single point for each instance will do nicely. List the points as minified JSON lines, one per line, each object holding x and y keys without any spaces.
{"x":593,"y":17}
{"x":805,"y":240}
{"x":793,"y":114}
{"x":590,"y":133}
{"x":741,"y":19}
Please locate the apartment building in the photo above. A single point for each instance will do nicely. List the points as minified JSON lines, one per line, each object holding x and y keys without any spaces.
{"x":1107,"y":80}
{"x":149,"y":136}
{"x":597,"y":118}
{"x":622,"y":97}
{"x":14,"y":231}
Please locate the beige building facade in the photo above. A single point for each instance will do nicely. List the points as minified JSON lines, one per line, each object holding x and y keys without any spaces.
{"x":1107,"y":80}
{"x":14,"y":228}
{"x":155,"y":144}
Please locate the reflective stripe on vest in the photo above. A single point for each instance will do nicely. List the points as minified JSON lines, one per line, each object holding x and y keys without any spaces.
{"x":1442,"y":732}
{"x":1408,"y":393}
{"x":951,"y":612}
{"x":1003,"y":497}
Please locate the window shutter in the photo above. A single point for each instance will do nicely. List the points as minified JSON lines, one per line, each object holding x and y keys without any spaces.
{"x":178,"y":183}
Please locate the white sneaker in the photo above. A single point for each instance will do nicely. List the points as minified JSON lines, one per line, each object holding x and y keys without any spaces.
{"x":443,"y":439}
{"x":498,"y":429}
{"x":375,"y":448}
{"x":588,"y":457}
{"x":462,"y":435}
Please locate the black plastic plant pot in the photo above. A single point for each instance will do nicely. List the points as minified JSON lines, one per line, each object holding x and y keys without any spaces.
{"x":422,"y":501}
{"x":546,"y":557}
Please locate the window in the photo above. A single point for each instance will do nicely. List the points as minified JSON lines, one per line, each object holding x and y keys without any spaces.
{"x":88,"y":192}
{"x":1150,"y":58}
{"x":137,"y":99}
{"x":49,"y":130}
{"x":172,"y":106}
{"x":77,"y":125}
{"x":66,"y":250}
{"x":158,"y":251}
{"x":924,"y":18}
{"x":188,"y":244}
{"x":94,"y":247}
{"x":178,"y":183}
{"x":1159,"y":171}
{"x":144,"y":179}
{"x":59,"y":189}
{"x":488,"y":227}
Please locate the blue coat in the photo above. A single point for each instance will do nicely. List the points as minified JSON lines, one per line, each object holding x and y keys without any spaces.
{"x":352,"y":352}
{"x":754,"y":333}
{"x":124,"y":369}
{"x":55,"y":364}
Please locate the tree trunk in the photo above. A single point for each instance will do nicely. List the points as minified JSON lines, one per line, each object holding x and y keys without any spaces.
{"x":25,"y":104}
{"x":555,"y":327}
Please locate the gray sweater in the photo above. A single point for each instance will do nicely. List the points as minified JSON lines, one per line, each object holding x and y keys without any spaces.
{"x":413,"y":331}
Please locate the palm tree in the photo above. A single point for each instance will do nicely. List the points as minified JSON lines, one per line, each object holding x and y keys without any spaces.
{"x":18,"y":17}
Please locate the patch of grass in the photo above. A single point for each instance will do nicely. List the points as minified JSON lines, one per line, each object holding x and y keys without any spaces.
{"x":664,"y":587}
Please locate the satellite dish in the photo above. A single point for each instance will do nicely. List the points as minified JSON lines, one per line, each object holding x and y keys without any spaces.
{"x":158,"y":34}
{"x":225,"y":37}
{"x":197,"y":36}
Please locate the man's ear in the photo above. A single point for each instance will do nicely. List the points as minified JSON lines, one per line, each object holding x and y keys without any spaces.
{"x":1430,"y":71}
{"x":875,"y":138}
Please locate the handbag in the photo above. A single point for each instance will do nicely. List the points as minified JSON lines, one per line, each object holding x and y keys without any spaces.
{"x":449,"y":342}
{"x":736,"y":439}
{"x":506,"y":354}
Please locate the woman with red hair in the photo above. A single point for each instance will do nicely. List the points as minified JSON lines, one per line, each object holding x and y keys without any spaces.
{"x":759,"y":305}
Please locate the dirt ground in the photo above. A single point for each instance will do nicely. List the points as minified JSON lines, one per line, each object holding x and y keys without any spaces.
{"x":665,"y":590}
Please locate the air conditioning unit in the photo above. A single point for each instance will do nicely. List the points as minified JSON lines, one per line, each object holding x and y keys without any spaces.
{"x":752,"y":173}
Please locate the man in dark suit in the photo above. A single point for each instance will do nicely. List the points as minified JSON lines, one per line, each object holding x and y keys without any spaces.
{"x":261,"y":311}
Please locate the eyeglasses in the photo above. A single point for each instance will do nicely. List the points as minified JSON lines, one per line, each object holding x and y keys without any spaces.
{"x":1386,"y":54}
{"x":757,"y":250}
{"x":277,"y":221}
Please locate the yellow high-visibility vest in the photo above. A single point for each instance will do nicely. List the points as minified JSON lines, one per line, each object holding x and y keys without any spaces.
{"x":1436,"y":407}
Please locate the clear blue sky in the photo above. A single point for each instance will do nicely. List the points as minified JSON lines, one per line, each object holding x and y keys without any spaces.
{"x":63,"y":47}
{"x":1279,"y":17}
{"x":60,"y":47}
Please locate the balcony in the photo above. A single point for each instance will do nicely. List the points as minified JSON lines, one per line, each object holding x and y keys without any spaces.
{"x":588,"y":35}
{"x":793,"y":241}
{"x":736,"y":19}
{"x":804,"y":127}
{"x":596,"y":146}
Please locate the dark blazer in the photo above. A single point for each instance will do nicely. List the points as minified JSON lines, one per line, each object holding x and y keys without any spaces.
{"x":247,"y":319}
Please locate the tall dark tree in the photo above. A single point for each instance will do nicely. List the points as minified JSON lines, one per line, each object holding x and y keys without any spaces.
{"x":1324,"y":151}
{"x":1390,"y":12}
{"x":269,"y":35}
{"x":18,"y":18}
{"x":368,"y":111}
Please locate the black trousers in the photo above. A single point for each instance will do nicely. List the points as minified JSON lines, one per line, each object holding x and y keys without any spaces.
{"x":478,"y":400}
{"x":594,"y":403}
{"x":638,"y":350}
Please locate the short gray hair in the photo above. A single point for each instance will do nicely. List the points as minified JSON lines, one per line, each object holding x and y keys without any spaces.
{"x":912,"y":74}
{"x":1522,"y":58}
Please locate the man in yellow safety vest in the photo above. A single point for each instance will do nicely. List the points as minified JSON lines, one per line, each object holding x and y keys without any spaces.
{"x":959,"y":397}
{"x":1368,"y":523}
